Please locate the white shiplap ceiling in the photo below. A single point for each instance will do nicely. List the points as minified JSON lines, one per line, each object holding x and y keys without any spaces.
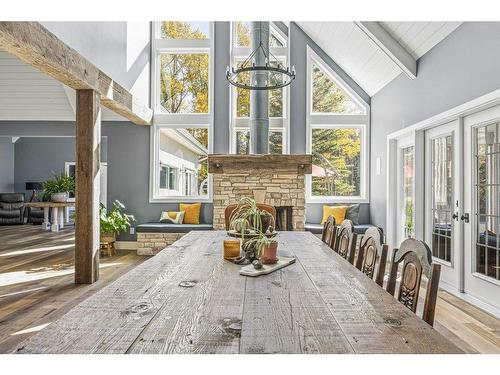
{"x":362,"y":59}
{"x":28,"y":95}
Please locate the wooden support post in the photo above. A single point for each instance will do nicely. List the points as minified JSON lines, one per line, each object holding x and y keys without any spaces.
{"x":88,"y":144}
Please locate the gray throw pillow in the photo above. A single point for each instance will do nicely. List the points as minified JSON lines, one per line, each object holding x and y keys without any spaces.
{"x":352,"y":213}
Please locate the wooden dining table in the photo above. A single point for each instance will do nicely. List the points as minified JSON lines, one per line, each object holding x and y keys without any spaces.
{"x":188,"y":299}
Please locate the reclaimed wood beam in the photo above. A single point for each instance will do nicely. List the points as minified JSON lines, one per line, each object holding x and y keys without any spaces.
{"x":88,"y":162}
{"x":38,"y":47}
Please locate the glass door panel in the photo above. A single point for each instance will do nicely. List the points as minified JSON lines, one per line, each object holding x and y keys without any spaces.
{"x":442,"y":192}
{"x":408,"y":173}
{"x":442,"y":197}
{"x":486,"y":210}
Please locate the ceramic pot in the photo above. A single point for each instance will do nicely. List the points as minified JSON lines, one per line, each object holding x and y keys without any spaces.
{"x":268,"y":254}
{"x":59,"y":197}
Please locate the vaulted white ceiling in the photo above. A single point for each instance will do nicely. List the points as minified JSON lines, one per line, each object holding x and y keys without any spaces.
{"x":360,"y":57}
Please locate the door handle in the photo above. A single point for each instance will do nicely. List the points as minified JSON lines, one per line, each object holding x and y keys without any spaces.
{"x":455,"y":216}
{"x":465,"y":217}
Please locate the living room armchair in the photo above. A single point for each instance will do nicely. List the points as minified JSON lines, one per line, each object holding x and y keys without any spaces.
{"x":11,"y":208}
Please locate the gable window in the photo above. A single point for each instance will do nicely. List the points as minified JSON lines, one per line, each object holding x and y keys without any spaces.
{"x":337,"y":127}
{"x":240,"y":98}
{"x":182,"y":86}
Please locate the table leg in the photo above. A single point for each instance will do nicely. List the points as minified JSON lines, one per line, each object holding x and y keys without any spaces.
{"x":55,"y":216}
{"x":66,"y":215}
{"x":61,"y":218}
{"x":46,"y":222}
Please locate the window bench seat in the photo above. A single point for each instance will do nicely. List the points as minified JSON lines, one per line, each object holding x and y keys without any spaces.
{"x":154,"y":237}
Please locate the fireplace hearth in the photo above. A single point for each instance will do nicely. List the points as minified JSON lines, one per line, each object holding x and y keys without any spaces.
{"x":279,"y":179}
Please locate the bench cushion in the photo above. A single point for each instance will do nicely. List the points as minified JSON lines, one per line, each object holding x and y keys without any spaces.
{"x":171,"y":228}
{"x":318,"y":228}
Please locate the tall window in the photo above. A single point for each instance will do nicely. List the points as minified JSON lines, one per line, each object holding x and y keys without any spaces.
{"x":240,"y":98}
{"x":337,"y":122}
{"x":182,"y":99}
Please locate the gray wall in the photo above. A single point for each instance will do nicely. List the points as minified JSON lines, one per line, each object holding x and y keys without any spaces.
{"x":462,"y":67}
{"x":37,"y":158}
{"x":6,"y":165}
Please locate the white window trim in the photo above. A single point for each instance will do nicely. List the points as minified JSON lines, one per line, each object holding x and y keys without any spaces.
{"x":179,"y":121}
{"x":337,"y":121}
{"x":241,"y":123}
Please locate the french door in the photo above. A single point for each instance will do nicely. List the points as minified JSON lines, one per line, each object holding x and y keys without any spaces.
{"x":442,"y":192}
{"x":482,"y":206}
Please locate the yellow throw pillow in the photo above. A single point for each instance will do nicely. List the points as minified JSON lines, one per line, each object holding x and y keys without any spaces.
{"x":192,"y":212}
{"x":338,"y":212}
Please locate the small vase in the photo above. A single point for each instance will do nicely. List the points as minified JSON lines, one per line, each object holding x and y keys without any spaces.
{"x":59,"y":197}
{"x":269,"y":253}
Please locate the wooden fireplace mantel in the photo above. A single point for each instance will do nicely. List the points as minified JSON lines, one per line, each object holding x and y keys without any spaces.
{"x":300,"y":163}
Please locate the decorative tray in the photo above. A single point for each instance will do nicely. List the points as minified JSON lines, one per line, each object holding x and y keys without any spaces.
{"x":249,"y":270}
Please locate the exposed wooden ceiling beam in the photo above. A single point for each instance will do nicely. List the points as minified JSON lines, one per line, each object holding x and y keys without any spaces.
{"x":35,"y":45}
{"x":396,"y":52}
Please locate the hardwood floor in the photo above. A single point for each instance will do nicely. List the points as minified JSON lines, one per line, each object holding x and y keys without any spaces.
{"x":36,"y":288}
{"x":37,"y":281}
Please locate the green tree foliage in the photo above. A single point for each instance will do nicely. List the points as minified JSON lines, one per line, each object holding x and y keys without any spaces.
{"x":328,"y":97}
{"x":337,"y":152}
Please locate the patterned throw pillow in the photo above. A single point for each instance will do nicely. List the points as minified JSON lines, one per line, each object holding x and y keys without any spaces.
{"x":173,"y":217}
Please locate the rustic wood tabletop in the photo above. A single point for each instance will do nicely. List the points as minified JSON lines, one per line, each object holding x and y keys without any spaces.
{"x":188,"y":299}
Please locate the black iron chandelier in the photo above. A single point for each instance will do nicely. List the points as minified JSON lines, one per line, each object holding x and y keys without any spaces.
{"x":282,"y":76}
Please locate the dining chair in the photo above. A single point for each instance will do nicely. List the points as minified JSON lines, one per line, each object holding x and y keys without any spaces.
{"x":416,"y":258}
{"x":263,"y":207}
{"x":328,"y":228}
{"x":345,"y":241}
{"x":371,"y":249}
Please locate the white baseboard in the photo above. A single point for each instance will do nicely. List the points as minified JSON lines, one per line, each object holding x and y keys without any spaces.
{"x":126,"y":245}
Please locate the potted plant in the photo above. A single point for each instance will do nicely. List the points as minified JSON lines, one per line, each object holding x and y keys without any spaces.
{"x":113,"y":221}
{"x":58,"y":187}
{"x":248,"y":211}
{"x":266,"y":247}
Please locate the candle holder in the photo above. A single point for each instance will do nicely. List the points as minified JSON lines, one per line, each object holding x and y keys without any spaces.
{"x":232,"y":248}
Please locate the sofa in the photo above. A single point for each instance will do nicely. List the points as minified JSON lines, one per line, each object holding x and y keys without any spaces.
{"x":12,"y":208}
{"x":155,"y":236}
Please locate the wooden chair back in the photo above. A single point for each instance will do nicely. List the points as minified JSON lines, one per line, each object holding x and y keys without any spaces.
{"x":416,"y":258}
{"x":345,"y":241}
{"x":371,"y":249}
{"x":263,"y":207}
{"x":328,"y":229}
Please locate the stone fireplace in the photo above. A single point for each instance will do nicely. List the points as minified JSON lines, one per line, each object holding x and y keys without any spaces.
{"x":278,"y":180}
